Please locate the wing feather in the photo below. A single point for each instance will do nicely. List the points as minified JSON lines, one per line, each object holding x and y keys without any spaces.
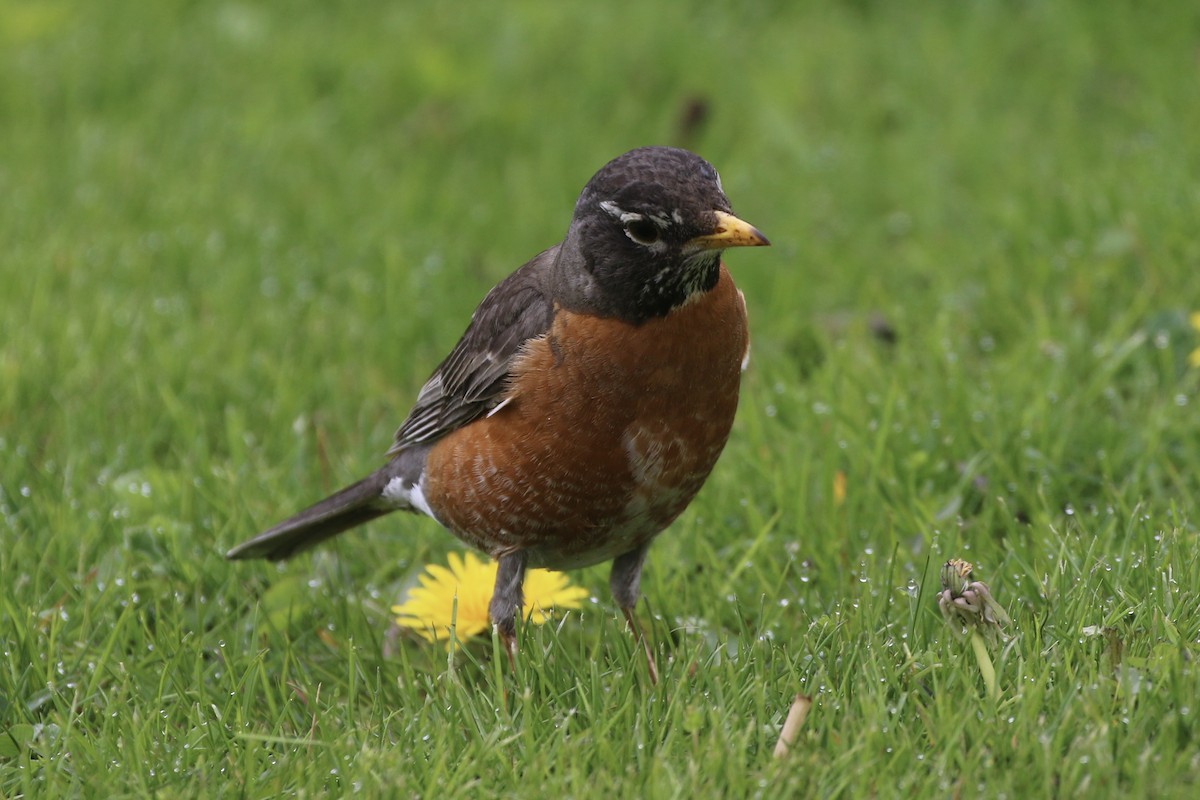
{"x":473,"y":379}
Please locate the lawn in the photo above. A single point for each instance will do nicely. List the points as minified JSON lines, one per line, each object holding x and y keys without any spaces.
{"x":236,"y":237}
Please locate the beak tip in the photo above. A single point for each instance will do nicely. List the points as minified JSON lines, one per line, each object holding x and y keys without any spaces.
{"x":734,"y":232}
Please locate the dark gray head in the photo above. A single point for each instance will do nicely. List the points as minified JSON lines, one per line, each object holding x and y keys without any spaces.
{"x":647,"y":235}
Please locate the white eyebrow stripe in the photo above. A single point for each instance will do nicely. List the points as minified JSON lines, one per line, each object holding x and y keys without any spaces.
{"x":661,"y":220}
{"x":614,"y":210}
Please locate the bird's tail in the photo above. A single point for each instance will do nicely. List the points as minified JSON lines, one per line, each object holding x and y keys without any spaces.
{"x":352,"y":506}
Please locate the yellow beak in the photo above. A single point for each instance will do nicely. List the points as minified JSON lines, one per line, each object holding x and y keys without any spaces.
{"x":730,"y":232}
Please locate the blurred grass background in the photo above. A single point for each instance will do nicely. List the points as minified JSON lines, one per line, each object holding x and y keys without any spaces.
{"x":236,"y":237}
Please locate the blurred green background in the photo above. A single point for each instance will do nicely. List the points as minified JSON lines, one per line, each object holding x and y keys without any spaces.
{"x":235,"y":238}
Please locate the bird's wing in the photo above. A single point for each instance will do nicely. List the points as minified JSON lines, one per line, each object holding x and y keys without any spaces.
{"x":473,"y":379}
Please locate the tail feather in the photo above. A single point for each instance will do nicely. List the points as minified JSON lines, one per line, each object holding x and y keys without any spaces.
{"x":352,"y":506}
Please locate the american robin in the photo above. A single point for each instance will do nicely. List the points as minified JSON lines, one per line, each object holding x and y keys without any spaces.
{"x":587,"y":401}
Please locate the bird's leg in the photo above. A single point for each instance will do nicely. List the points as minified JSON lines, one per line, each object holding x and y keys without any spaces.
{"x":508,"y":601}
{"x":624,"y":581}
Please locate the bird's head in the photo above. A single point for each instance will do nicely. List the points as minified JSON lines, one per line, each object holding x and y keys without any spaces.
{"x":647,"y":234}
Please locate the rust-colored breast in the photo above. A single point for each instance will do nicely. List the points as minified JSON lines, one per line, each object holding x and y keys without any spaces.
{"x":609,"y":432}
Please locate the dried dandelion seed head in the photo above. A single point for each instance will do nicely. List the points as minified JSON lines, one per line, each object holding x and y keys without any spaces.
{"x":967,"y":605}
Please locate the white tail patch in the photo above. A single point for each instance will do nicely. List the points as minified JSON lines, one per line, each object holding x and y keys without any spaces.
{"x":400,"y":494}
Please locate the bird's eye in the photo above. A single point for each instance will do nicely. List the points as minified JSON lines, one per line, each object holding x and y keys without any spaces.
{"x":642,"y":231}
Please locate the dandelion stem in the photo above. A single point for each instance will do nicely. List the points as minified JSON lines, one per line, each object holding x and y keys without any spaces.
{"x":985,"y":664}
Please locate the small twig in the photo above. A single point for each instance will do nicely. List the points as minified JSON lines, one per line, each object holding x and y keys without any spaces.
{"x":791,"y":725}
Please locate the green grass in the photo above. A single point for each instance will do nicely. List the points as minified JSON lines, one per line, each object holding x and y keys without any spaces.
{"x":236,"y":237}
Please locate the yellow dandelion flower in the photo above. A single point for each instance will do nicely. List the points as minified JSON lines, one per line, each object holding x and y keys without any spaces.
{"x":429,"y":608}
{"x":1194,"y":356}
